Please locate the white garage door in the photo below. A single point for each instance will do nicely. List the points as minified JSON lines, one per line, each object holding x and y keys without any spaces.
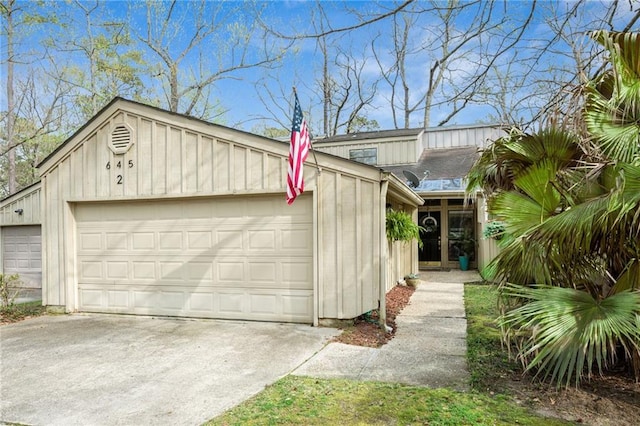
{"x":235,"y":258}
{"x":22,"y":254}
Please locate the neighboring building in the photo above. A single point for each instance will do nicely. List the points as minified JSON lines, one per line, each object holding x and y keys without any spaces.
{"x":149,"y":212}
{"x":434,"y":162}
{"x":20,"y":239}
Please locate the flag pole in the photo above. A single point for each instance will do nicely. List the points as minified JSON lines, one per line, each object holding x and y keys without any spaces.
{"x":313,"y":150}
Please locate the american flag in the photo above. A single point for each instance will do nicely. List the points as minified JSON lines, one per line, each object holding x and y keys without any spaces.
{"x":298,"y":151}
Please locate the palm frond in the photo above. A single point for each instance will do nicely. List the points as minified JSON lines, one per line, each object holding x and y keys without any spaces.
{"x":568,"y":331}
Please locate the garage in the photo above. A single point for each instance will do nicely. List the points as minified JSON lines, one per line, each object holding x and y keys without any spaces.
{"x":148,"y":212}
{"x":22,"y":254}
{"x":225,"y":257}
{"x":21,"y":240}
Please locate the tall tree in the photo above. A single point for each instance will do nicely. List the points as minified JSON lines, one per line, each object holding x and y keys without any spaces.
{"x":34,"y":103}
{"x":457,"y":45}
{"x":104,"y":62}
{"x":198,"y":43}
{"x":9,"y":11}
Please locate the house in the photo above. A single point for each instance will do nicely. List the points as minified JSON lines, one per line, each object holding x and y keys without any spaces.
{"x":434,"y":162}
{"x":149,"y":212}
{"x":20,"y":239}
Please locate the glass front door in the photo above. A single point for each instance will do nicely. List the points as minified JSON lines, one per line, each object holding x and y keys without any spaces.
{"x":430,"y":254}
{"x":460,"y":236}
{"x":449,"y":231}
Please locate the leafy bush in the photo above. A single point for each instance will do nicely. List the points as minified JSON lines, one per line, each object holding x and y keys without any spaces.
{"x":9,"y":289}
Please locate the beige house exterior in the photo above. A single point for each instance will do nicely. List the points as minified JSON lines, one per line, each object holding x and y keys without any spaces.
{"x":154,"y":213}
{"x":434,"y":162}
{"x":20,"y":239}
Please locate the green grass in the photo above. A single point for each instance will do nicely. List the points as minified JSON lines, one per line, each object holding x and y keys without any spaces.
{"x":18,"y":312}
{"x":308,"y":401}
{"x":486,"y":357}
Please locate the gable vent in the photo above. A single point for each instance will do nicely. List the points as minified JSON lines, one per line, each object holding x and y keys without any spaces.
{"x":120,"y":138}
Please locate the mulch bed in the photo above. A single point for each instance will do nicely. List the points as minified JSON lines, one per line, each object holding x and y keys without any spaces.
{"x":366,"y":331}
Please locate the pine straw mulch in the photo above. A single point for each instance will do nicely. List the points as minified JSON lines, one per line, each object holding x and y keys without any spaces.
{"x":613,"y":399}
{"x":366,"y":331}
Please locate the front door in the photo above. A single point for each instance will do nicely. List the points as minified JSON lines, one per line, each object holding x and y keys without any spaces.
{"x":430,"y":255}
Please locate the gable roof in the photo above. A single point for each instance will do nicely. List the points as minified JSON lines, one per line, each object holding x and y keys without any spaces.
{"x":121,"y":105}
{"x":124,"y":101}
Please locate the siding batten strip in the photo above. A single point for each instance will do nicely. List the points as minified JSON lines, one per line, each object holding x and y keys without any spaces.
{"x":316,"y":249}
{"x":339,"y":249}
{"x":359,"y":248}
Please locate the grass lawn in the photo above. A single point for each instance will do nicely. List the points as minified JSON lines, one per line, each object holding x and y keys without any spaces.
{"x":308,"y":401}
{"x":486,"y":358}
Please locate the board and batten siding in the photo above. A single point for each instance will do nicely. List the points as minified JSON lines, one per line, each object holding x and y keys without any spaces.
{"x":27,"y":200}
{"x":20,"y":236}
{"x":349,"y":244}
{"x":389,"y":152}
{"x":174,"y":157}
{"x":458,"y":137}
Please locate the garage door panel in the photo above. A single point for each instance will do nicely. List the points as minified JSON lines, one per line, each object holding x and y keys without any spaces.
{"x":228,"y":303}
{"x":90,"y":241}
{"x":116,"y":241}
{"x":228,"y":240}
{"x":251,"y":266}
{"x":22,"y":254}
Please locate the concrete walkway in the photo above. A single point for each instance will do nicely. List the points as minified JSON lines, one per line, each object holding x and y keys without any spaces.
{"x":429,"y":348}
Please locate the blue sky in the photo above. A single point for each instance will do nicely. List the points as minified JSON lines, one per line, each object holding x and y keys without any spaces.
{"x":245,"y":101}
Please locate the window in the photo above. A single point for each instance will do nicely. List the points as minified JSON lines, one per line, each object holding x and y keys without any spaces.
{"x":365,"y":155}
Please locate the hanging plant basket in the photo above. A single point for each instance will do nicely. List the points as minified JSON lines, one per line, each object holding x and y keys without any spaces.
{"x":494,"y":229}
{"x":401,"y":227}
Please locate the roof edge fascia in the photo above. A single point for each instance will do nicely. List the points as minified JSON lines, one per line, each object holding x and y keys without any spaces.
{"x":401,"y":191}
{"x":23,"y":192}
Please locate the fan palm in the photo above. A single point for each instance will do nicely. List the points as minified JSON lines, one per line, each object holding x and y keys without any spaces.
{"x":571,"y":207}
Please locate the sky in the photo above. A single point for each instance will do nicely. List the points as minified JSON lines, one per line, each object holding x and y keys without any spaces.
{"x":257,"y":98}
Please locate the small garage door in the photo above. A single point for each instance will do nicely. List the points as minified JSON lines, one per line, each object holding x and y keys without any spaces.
{"x":234,"y":258}
{"x":22,"y":254}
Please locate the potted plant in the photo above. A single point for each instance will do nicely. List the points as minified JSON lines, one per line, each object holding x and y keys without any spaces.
{"x":466,"y":247}
{"x":412,"y":280}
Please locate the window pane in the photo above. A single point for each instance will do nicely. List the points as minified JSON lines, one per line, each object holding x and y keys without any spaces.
{"x":461,"y":235}
{"x":365,"y":155}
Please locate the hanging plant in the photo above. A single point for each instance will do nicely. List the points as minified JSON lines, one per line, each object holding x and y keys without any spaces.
{"x":494,"y":229}
{"x":401,"y":227}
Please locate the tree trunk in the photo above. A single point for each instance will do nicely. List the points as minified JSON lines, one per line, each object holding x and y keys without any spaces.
{"x":11,"y":113}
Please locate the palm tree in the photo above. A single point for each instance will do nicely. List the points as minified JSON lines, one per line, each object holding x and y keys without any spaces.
{"x":571,"y":206}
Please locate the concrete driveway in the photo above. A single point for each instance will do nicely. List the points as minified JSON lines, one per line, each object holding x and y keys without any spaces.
{"x":120,"y":370}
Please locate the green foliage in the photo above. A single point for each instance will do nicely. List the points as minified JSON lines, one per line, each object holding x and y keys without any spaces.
{"x":486,"y":357}
{"x":362,"y":124}
{"x":401,"y":227}
{"x":562,"y":332}
{"x":34,"y":146}
{"x":21,"y":311}
{"x":9,"y":289}
{"x":570,"y":202}
{"x":494,"y":229}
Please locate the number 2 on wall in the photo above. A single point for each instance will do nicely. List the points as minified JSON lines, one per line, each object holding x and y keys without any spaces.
{"x":119,"y":178}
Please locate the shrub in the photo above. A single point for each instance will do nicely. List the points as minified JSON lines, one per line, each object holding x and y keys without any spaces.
{"x":9,"y":289}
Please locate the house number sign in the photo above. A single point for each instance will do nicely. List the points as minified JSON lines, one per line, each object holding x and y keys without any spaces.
{"x":119,"y":165}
